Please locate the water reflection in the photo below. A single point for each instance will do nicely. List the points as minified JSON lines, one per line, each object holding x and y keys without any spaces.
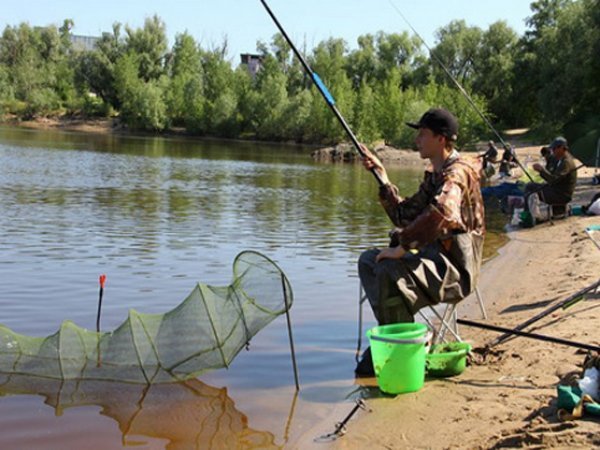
{"x":188,"y":415}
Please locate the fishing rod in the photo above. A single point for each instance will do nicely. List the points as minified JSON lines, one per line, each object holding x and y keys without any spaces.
{"x":540,"y":337}
{"x":566,"y":303}
{"x":463,"y":91}
{"x":323,"y":90}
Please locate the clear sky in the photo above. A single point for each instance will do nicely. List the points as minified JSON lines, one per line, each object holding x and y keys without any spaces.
{"x":244,"y":22}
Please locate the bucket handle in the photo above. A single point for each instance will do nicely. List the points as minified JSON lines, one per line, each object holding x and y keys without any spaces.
{"x":420,"y":340}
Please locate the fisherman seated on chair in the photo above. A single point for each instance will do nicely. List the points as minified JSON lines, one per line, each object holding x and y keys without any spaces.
{"x":560,"y":177}
{"x":507,"y":162}
{"x":435,"y":253}
{"x":488,"y":159}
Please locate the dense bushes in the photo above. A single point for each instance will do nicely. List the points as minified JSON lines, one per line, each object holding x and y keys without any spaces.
{"x":548,"y":77}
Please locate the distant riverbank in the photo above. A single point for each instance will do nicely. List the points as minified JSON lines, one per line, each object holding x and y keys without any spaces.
{"x":343,"y":152}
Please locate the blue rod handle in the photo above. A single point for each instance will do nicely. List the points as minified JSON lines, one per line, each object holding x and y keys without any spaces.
{"x":323,"y":89}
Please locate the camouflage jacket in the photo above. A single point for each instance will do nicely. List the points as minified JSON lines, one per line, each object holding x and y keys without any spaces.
{"x":447,"y":203}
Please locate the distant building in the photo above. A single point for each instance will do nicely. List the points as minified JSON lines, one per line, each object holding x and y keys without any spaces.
{"x":84,"y":42}
{"x":252,"y":62}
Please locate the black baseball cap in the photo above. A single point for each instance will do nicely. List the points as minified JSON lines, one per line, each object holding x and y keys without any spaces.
{"x":439,"y":121}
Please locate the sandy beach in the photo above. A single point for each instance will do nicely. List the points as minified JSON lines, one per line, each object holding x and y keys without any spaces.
{"x":507,"y":400}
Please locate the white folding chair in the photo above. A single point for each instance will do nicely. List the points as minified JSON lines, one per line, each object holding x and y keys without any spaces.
{"x":447,"y":320}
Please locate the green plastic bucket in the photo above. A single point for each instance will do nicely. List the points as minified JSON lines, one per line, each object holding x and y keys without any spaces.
{"x":447,"y":360}
{"x":398,"y":352}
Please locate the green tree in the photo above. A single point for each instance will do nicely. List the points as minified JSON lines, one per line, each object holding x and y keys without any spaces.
{"x":185,"y":97}
{"x":365,"y":114}
{"x":296,"y":116}
{"x":396,"y":51}
{"x":566,"y":51}
{"x":142,"y":102}
{"x":390,"y":108}
{"x":493,"y":77}
{"x":150,"y":45}
{"x":95,"y":70}
{"x":557,"y":64}
{"x":362,"y":63}
{"x":38,"y":69}
{"x":270,"y":101}
{"x":220,"y":107}
{"x":7,"y":95}
{"x":328,"y":60}
{"x":457,"y":48}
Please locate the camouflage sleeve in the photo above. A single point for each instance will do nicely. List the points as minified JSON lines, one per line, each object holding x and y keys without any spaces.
{"x":439,"y":218}
{"x":390,"y":199}
{"x":402,"y":211}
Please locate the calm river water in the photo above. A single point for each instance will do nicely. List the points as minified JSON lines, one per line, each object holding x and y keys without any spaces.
{"x":157,"y":215}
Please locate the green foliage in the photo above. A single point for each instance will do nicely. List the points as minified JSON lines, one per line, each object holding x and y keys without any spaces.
{"x":457,"y":48}
{"x":42,"y":102}
{"x":150,"y":45}
{"x":365,"y":115}
{"x":391,"y":108}
{"x":94,"y":70}
{"x":142,"y":102}
{"x":558,"y":63}
{"x":546,"y":78}
{"x":6,"y":90}
{"x":37,"y":70}
{"x":494,"y":71}
{"x":185,"y":101}
{"x":270,"y":104}
{"x":296,"y":116}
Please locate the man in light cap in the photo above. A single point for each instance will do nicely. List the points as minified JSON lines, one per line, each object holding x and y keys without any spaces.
{"x":560,"y":177}
{"x":435,"y":253}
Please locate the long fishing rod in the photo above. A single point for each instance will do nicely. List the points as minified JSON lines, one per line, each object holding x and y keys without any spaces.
{"x":323,"y":90}
{"x":463,"y":91}
{"x":566,"y":303}
{"x":539,"y":337}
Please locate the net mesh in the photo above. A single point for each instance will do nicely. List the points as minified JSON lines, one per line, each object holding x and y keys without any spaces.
{"x":206,"y":331}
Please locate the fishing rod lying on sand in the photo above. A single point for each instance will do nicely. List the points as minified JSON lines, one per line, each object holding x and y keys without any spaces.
{"x":540,"y":337}
{"x":323,"y":90}
{"x":564,"y":304}
{"x":517,"y":331}
{"x":463,"y":91}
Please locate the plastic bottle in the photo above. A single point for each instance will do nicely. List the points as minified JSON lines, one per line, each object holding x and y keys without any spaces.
{"x":589,"y":383}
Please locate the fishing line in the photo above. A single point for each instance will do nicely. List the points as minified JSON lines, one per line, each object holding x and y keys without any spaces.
{"x":463,"y":91}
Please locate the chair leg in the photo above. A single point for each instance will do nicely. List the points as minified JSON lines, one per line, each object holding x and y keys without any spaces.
{"x":445,"y":325}
{"x":430,"y":325}
{"x":362,"y":296}
{"x":481,"y":305}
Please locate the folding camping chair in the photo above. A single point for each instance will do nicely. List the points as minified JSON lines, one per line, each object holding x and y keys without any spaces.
{"x":447,"y":320}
